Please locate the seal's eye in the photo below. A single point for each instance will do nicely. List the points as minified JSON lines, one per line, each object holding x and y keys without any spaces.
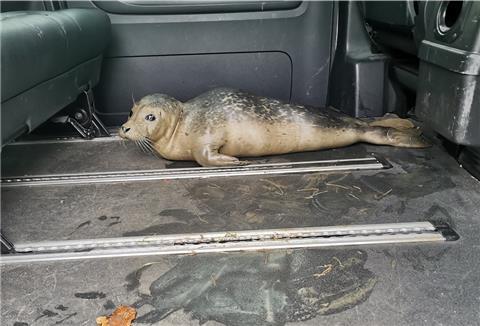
{"x":150,"y":117}
{"x":130,"y":114}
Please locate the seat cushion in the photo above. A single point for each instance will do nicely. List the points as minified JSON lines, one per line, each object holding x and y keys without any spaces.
{"x":39,"y":45}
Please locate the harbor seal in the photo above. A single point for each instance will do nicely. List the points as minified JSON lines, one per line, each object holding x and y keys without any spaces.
{"x":221,"y":125}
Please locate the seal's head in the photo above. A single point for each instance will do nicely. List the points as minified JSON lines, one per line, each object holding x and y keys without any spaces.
{"x":153,"y":118}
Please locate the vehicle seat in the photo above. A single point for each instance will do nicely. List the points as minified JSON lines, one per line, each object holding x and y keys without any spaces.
{"x":48,"y":58}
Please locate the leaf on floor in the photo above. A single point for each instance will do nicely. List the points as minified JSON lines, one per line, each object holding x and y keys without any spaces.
{"x":122,"y":316}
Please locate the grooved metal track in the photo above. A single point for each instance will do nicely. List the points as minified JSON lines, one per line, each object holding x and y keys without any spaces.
{"x":74,"y":139}
{"x":366,"y":163}
{"x":309,"y":237}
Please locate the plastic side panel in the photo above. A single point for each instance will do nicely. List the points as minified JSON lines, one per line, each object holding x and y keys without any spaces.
{"x":448,"y":96}
{"x":448,"y":102}
{"x":359,"y":83}
{"x":190,"y":7}
{"x":303,"y":34}
{"x":399,"y":14}
{"x":186,"y":76}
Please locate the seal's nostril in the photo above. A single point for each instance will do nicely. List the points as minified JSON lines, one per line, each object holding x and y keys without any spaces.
{"x":125,"y":129}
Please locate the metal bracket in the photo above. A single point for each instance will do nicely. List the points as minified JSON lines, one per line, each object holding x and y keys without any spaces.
{"x":7,"y":246}
{"x":84,"y":120}
{"x":96,"y":122}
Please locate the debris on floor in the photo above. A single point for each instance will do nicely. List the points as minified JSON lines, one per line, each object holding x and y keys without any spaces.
{"x":122,"y":316}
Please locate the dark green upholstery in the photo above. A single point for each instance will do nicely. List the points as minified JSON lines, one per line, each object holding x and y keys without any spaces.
{"x":47,"y":58}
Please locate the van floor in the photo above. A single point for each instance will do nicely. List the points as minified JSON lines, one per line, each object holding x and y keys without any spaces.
{"x":414,"y":284}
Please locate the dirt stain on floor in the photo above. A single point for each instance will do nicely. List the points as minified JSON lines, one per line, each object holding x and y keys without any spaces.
{"x":260,"y":288}
{"x":90,"y":295}
{"x":313,"y":199}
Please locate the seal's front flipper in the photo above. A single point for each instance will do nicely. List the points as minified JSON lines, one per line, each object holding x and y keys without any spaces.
{"x":209,"y":157}
{"x":219,"y":160}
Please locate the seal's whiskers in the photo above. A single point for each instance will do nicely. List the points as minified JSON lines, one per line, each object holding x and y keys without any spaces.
{"x":149,"y":145}
{"x":145,"y":146}
{"x":141,"y":146}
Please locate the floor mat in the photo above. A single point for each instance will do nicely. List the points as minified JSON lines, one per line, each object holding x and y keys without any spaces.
{"x":394,"y":284}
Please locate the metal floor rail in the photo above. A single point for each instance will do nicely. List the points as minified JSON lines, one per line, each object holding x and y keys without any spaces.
{"x":72,"y":139}
{"x":308,"y":237}
{"x":366,"y":163}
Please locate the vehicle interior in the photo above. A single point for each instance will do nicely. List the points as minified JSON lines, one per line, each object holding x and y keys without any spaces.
{"x":363,"y":234}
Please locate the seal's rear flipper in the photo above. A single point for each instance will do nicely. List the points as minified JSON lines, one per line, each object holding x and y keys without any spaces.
{"x":391,"y":122}
{"x":411,"y":138}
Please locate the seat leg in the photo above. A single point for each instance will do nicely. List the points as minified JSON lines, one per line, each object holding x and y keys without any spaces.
{"x":84,"y":120}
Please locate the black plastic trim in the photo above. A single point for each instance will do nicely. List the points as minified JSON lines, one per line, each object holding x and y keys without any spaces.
{"x":447,"y":232}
